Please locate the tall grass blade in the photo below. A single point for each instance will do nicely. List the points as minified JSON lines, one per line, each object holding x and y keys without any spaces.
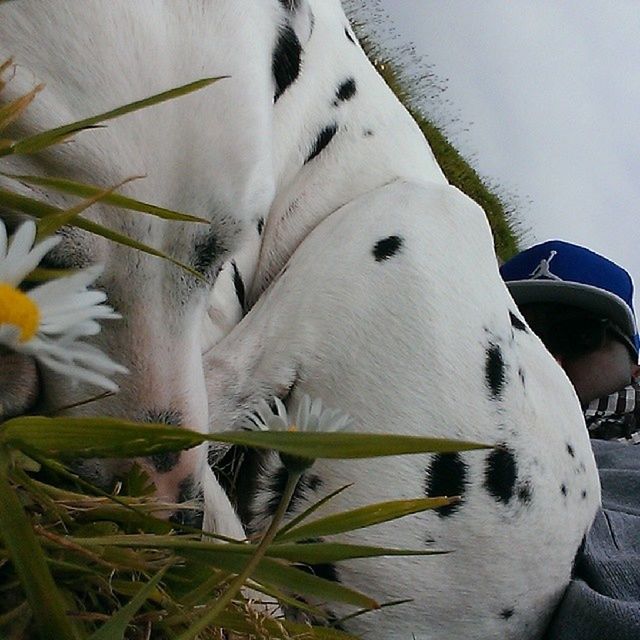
{"x":114,"y":236}
{"x":292,"y":630}
{"x":40,"y":141}
{"x":117,"y":625}
{"x":12,"y":111}
{"x":37,"y":209}
{"x":48,"y":225}
{"x":69,"y":437}
{"x":232,"y":558}
{"x":86,"y":191}
{"x":307,"y":512}
{"x":42,"y":274}
{"x":343,"y":445}
{"x":45,"y":600}
{"x":328,"y":552}
{"x":363,"y":517}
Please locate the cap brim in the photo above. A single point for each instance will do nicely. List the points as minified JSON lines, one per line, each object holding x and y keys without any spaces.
{"x":593,"y":299}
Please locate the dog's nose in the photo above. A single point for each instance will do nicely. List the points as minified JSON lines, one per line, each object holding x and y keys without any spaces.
{"x":174,"y":472}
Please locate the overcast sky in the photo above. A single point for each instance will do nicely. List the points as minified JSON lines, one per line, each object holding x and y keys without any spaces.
{"x":545,"y":98}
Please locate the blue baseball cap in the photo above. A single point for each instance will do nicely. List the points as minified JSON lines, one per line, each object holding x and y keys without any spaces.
{"x":566,"y":273}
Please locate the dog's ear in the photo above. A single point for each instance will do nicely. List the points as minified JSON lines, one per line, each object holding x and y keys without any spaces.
{"x":19,"y":384}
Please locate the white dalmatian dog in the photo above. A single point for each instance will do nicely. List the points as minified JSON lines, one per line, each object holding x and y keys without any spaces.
{"x":339,"y":263}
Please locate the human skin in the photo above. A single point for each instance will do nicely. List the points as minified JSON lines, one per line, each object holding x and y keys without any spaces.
{"x":600,"y":372}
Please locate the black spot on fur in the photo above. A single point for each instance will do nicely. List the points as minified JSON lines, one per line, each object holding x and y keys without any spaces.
{"x":286,"y":61}
{"x":349,"y":36}
{"x":308,"y":483}
{"x":207,"y":252}
{"x":260,"y":226}
{"x":501,"y":474}
{"x":495,"y":370}
{"x":521,"y":376}
{"x":446,"y":476}
{"x":238,"y":283}
{"x":563,"y":489}
{"x":505,"y":614}
{"x":570,"y":450}
{"x":584,"y":494}
{"x":387,"y":247}
{"x":516,"y":323}
{"x":345,"y":91}
{"x":367,"y":133}
{"x":323,"y":139}
{"x":290,"y":5}
{"x":165,"y":462}
{"x":524,"y":494}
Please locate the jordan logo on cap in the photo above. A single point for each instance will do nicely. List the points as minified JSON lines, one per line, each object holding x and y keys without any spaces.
{"x":542,"y":271}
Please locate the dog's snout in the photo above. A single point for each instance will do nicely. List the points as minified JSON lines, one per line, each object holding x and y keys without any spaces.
{"x":164,"y":463}
{"x":173,"y":472}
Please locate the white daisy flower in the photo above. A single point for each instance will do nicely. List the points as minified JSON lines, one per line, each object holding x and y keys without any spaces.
{"x":310,"y":416}
{"x":48,"y":321}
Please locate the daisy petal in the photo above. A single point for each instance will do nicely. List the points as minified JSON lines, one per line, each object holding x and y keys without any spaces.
{"x":81,"y":374}
{"x":3,"y":241}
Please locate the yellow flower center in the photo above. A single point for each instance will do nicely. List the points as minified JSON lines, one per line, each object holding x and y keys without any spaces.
{"x":18,"y":309}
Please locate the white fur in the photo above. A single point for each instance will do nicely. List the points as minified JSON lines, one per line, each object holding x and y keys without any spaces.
{"x":400,"y":344}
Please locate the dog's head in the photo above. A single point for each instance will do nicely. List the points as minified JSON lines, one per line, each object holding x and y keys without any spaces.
{"x":160,"y":338}
{"x":192,"y":160}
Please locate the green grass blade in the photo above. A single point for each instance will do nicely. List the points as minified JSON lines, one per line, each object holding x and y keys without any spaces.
{"x":68,"y":437}
{"x":384,"y":605}
{"x":363,"y":517}
{"x":114,"y":236}
{"x":20,"y":612}
{"x":323,"y":552}
{"x":233,"y":558}
{"x":117,"y":625}
{"x":37,"y":209}
{"x":342,"y":445}
{"x":42,"y":274}
{"x":40,"y":141}
{"x":13,"y":110}
{"x":86,"y":191}
{"x":48,"y":225}
{"x":232,"y":621}
{"x":30,"y":563}
{"x":23,"y":204}
{"x":290,"y":578}
{"x":294,"y":522}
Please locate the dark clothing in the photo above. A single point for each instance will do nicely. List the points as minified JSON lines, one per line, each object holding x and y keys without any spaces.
{"x":602,"y":601}
{"x":616,"y":417}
